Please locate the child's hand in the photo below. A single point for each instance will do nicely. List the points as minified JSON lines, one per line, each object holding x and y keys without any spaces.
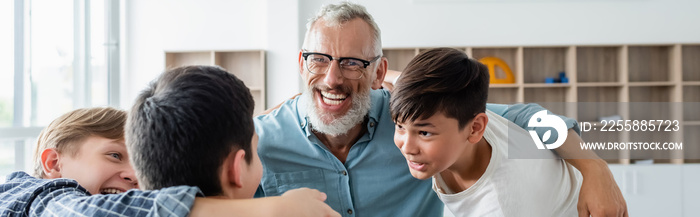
{"x":306,"y":202}
{"x":600,"y":195}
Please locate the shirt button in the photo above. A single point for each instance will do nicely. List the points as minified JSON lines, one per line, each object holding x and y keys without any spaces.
{"x":371,"y":124}
{"x":345,"y":173}
{"x":349,"y":211}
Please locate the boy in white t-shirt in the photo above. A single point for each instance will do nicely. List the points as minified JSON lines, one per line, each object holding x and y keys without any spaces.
{"x":445,"y":132}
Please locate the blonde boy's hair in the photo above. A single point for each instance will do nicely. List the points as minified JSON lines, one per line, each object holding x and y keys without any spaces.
{"x":66,"y":132}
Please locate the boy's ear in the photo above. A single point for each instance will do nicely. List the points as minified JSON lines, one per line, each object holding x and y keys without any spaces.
{"x":477,"y":128}
{"x":50,"y":163}
{"x":236,"y":168}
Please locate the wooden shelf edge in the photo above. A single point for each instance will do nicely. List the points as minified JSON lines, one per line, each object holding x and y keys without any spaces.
{"x":600,"y":84}
{"x":503,"y":85}
{"x":691,"y":83}
{"x":186,"y":51}
{"x":545,"y":85}
{"x":650,"y":83}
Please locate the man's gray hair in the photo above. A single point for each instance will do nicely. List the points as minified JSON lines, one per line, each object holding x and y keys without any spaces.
{"x":337,"y":14}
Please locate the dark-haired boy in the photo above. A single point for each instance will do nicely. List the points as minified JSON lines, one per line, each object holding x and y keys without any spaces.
{"x":194,"y":126}
{"x":445,"y":132}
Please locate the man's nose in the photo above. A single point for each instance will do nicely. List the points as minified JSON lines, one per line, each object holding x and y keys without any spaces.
{"x":334,"y":75}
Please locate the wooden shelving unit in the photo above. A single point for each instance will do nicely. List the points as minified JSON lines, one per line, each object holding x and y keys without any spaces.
{"x":400,"y":57}
{"x":691,"y":93}
{"x":605,"y":74}
{"x":247,"y":65}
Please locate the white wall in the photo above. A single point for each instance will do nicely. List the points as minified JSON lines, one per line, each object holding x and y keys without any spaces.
{"x":278,"y":27}
{"x":284,"y":38}
{"x":430,"y":23}
{"x":154,"y":26}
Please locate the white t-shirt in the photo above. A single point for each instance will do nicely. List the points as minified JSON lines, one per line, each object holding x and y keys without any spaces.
{"x":515,"y":187}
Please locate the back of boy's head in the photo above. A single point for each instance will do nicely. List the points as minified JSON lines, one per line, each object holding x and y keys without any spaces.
{"x":66,"y":133}
{"x":185,"y":124}
{"x":442,"y":80}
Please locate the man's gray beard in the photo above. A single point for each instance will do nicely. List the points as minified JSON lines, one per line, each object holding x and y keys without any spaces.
{"x":361,"y":103}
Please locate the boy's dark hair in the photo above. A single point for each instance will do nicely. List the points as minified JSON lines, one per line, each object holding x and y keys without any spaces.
{"x":185,"y":124}
{"x":440,"y":80}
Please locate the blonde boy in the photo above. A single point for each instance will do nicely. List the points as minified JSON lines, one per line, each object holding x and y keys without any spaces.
{"x":87,"y":145}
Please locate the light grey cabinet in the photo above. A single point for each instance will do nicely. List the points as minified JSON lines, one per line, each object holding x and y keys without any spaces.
{"x":691,"y":190}
{"x":653,"y":190}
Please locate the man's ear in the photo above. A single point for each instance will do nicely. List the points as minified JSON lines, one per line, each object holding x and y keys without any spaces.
{"x":381,"y":72}
{"x":301,"y":64}
{"x":236,"y":168}
{"x":50,"y":163}
{"x":477,"y":128}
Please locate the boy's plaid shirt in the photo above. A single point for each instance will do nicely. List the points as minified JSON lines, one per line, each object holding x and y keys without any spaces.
{"x":24,"y":195}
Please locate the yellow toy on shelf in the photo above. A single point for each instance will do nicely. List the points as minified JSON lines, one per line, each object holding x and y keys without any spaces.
{"x":492,"y":63}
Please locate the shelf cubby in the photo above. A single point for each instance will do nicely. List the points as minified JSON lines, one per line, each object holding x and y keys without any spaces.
{"x":691,"y":107}
{"x":542,"y":62}
{"x":544,"y":95}
{"x":247,"y":65}
{"x":241,"y":64}
{"x":691,"y":62}
{"x":177,"y":59}
{"x":649,"y":63}
{"x":503,"y":95}
{"x":691,"y":143}
{"x":648,"y":109}
{"x":508,"y":55}
{"x":598,"y":64}
{"x":258,"y":97}
{"x":399,"y":58}
{"x":604,"y":102}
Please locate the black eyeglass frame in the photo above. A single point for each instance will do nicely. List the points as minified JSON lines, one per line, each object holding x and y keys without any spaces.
{"x":365,"y":63}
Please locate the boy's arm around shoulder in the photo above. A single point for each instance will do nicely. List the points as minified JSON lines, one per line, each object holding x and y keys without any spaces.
{"x":65,"y":197}
{"x":179,"y":201}
{"x":172,"y":201}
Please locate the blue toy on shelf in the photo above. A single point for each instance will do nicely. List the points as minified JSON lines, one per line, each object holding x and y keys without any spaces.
{"x":562,"y":79}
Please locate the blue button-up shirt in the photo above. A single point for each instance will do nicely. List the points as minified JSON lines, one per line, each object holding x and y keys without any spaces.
{"x":373,"y":181}
{"x":24,"y":195}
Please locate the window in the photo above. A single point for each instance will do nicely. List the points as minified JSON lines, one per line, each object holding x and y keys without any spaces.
{"x":51,"y":61}
{"x":7,"y":157}
{"x":6,"y":59}
{"x":60,"y":63}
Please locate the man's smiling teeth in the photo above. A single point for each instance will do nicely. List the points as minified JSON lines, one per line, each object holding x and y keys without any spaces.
{"x":333,"y":99}
{"x":111,"y":191}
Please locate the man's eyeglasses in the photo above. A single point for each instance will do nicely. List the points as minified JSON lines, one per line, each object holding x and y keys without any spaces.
{"x":350,"y":68}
